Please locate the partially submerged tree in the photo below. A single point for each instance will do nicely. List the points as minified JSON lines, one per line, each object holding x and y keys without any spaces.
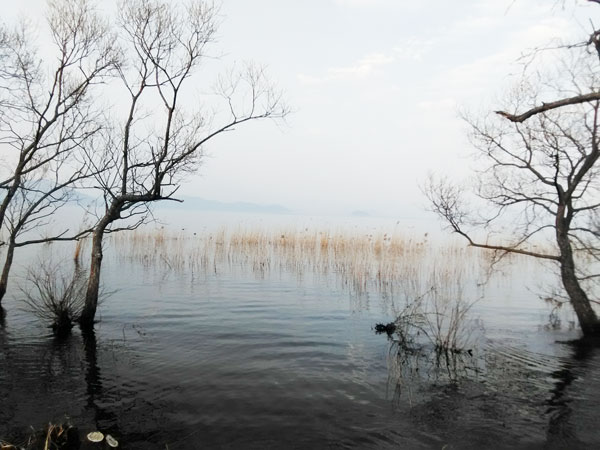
{"x":158,"y":142}
{"x":540,"y":176}
{"x":47,"y":118}
{"x":31,"y":210}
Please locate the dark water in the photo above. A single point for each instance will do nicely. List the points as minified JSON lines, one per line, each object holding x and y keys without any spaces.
{"x":237,"y":360}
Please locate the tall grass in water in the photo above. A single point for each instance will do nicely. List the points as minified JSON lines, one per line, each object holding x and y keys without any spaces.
{"x":435,"y":339}
{"x":392,"y":265}
{"x":426,"y":289}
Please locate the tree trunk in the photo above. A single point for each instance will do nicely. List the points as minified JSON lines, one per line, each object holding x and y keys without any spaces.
{"x":10,"y":193}
{"x":10,"y":252}
{"x":588,"y":320}
{"x":88,"y":314}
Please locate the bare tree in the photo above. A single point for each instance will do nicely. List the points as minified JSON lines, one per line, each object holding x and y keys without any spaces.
{"x":158,"y":142}
{"x":47,"y":118}
{"x":31,"y":213}
{"x":540,"y":176}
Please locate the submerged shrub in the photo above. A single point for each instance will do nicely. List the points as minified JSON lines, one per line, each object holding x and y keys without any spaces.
{"x":55,"y":296}
{"x":440,"y":315}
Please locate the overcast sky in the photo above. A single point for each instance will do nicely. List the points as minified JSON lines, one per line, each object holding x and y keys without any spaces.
{"x":375,"y":85}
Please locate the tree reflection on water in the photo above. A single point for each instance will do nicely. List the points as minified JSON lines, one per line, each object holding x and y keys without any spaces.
{"x":104,"y":418}
{"x":576,"y":382}
{"x":498,"y":394}
{"x":411,"y":366}
{"x":60,"y":380}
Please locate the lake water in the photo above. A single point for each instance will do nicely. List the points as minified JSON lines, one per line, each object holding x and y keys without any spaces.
{"x":222,"y":347}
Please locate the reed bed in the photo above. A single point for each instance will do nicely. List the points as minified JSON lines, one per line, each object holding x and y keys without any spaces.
{"x":432,"y":284}
{"x":427,"y":289}
{"x":387,"y":263}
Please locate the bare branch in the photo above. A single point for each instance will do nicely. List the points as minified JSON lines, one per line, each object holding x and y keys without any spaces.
{"x":518,"y":118}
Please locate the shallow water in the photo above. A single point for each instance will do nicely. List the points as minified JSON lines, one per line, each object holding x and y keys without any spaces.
{"x":240,"y":358}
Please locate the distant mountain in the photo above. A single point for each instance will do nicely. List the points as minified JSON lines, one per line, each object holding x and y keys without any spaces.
{"x":359,"y":213}
{"x":197,"y":203}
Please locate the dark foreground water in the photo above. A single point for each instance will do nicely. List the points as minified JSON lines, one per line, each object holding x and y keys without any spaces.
{"x":234,"y":359}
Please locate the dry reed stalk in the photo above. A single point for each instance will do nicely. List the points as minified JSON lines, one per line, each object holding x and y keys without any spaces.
{"x":77,"y":252}
{"x":386,"y":263}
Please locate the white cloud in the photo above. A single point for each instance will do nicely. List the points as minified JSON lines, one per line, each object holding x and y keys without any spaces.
{"x":362,"y":69}
{"x":413,"y":48}
{"x":448,"y":104}
{"x":479,"y":72}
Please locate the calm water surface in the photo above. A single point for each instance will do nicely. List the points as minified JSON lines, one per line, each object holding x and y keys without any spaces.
{"x":236,"y":358}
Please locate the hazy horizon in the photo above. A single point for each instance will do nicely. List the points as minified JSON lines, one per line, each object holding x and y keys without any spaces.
{"x":375,"y":87}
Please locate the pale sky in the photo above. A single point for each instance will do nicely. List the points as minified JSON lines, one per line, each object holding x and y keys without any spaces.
{"x":376,"y":87}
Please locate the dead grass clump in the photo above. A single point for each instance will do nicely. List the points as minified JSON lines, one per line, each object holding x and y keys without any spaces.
{"x":52,"y":437}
